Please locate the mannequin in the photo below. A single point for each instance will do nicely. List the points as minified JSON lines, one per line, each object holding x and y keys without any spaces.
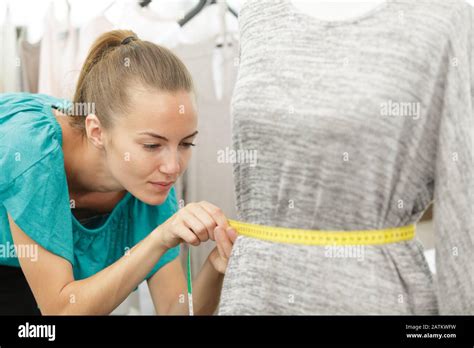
{"x":336,"y":10}
{"x":309,"y":113}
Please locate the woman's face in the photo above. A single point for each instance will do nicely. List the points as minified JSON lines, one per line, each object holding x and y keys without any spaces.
{"x":149,"y":148}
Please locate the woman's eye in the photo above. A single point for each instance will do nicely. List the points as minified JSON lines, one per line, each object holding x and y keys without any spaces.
{"x":155,"y":146}
{"x":151,"y":146}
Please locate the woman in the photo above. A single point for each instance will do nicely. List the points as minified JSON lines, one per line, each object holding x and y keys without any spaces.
{"x":113,"y":167}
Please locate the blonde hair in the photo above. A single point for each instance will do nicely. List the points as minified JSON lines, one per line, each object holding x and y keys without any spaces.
{"x":117,"y":60}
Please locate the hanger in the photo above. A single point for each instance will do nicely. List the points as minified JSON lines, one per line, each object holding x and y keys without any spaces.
{"x":198,"y":8}
{"x":144,"y":3}
{"x":193,"y":12}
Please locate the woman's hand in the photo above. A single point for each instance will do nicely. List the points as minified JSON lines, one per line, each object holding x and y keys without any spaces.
{"x":193,"y":224}
{"x":225,"y":239}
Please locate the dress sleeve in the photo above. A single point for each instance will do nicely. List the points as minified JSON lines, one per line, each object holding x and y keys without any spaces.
{"x":165,"y":211}
{"x":38,"y":202}
{"x":454,"y":185}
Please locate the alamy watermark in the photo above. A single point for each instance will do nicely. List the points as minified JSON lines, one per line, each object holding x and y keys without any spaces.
{"x":76,"y":109}
{"x":28,"y":330}
{"x":26,"y":251}
{"x":345,"y":251}
{"x":240,"y":156}
{"x":401,"y":109}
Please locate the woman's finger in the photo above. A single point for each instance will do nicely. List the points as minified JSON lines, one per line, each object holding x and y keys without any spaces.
{"x":192,"y":222}
{"x":205,"y":218}
{"x":232,"y":233}
{"x":186,"y":234}
{"x":226,"y":244}
{"x":216,"y":213}
{"x":218,"y":233}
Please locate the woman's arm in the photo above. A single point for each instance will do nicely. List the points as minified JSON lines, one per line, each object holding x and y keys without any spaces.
{"x":51,"y":278}
{"x":168,"y":286}
{"x":169,"y":291}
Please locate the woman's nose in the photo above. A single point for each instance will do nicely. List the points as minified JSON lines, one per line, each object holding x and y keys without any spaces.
{"x":170,"y":164}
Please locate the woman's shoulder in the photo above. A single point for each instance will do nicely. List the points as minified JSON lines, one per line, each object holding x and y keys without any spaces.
{"x":11,"y":103}
{"x":28,"y":132}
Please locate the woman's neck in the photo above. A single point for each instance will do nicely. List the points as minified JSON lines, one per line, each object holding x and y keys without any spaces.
{"x":85,"y":166}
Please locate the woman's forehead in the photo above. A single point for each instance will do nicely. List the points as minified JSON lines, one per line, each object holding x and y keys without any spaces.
{"x":172,"y":115}
{"x":162,"y":104}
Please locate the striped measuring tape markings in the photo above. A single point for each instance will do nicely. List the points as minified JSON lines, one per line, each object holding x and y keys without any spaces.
{"x":311,"y":237}
{"x":189,"y":278}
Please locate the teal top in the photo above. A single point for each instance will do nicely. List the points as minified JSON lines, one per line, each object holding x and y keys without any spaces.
{"x":34,"y":191}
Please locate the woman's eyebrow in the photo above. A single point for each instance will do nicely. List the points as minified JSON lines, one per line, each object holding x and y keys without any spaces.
{"x":164,"y":138}
{"x":190,"y":135}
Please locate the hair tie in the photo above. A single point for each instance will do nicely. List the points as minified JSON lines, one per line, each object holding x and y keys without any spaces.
{"x":127,"y":40}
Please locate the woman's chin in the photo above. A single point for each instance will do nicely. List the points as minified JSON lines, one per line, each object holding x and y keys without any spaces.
{"x":154,"y":198}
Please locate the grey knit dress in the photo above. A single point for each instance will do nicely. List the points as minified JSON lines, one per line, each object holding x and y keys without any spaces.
{"x":355,"y":124}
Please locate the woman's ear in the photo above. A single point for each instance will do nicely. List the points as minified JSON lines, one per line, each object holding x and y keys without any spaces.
{"x":94,"y":131}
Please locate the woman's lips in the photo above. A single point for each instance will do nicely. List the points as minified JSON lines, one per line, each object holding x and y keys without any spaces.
{"x":162,"y":185}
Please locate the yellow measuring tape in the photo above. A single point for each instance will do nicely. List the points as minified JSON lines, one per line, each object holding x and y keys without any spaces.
{"x":310,"y":237}
{"x":324,"y":237}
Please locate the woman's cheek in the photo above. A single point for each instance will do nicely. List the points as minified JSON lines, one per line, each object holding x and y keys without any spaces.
{"x":132,"y":161}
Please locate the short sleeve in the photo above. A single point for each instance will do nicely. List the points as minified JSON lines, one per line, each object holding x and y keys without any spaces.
{"x":453,"y":193}
{"x":165,"y":211}
{"x":38,"y":202}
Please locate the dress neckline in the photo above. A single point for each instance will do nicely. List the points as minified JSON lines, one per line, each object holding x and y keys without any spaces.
{"x":372,"y":13}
